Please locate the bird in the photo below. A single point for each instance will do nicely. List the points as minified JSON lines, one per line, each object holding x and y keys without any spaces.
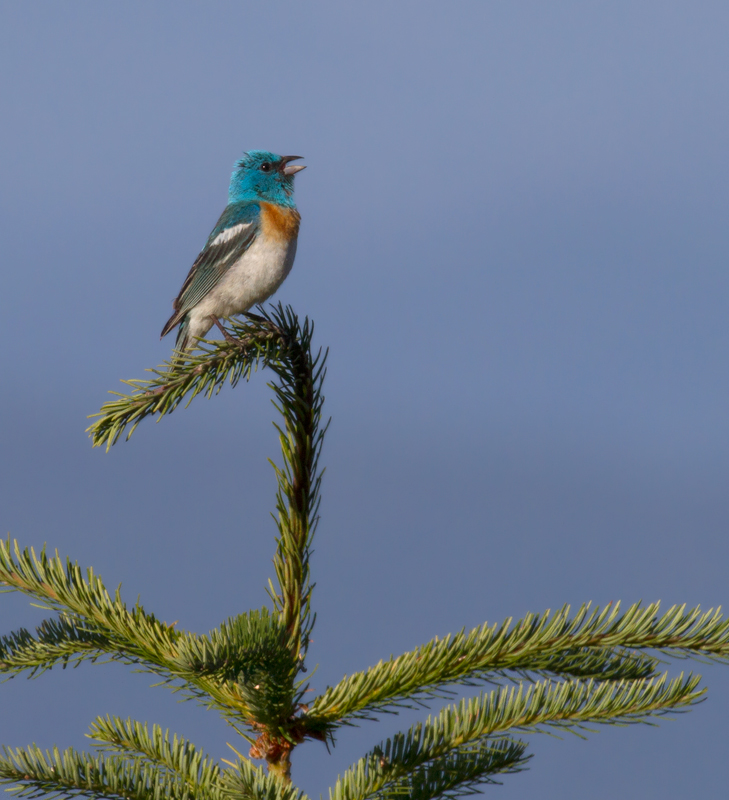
{"x":249,"y":252}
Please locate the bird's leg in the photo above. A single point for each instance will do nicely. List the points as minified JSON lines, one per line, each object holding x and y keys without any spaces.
{"x":226,"y":335}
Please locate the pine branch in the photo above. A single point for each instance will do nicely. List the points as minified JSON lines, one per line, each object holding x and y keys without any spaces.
{"x":203,"y":372}
{"x":85,"y":605}
{"x":63,"y":640}
{"x":65,"y":774}
{"x":592,"y":644}
{"x":244,"y":669}
{"x":176,"y":759}
{"x":251,"y":652}
{"x":299,"y":400}
{"x":415,"y":773}
{"x":151,"y":766}
{"x":459,"y":773}
{"x":570,"y":705}
{"x":280,"y":342}
{"x":598,"y":663}
{"x":248,"y":781}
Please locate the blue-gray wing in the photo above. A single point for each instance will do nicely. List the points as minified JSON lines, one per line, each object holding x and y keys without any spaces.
{"x":231,"y":237}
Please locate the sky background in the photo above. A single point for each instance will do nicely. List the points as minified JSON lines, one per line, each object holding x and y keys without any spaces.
{"x":514,"y":242}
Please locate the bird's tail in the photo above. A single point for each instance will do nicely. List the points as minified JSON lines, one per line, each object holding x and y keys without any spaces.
{"x":183,"y":335}
{"x":188,"y":333}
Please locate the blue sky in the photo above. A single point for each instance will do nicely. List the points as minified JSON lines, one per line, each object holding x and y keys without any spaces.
{"x":513,"y":241}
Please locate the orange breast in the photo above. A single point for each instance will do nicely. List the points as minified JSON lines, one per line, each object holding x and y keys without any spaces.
{"x":279,"y":223}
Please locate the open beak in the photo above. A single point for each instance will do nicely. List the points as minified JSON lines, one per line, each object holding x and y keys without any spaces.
{"x":293,"y":169}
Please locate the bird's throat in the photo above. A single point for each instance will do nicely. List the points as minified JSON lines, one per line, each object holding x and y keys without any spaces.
{"x":279,"y":222}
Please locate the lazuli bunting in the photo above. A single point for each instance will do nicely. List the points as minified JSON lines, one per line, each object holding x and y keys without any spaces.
{"x":250,"y":251}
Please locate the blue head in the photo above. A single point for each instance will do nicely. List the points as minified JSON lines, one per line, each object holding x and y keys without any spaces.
{"x":261,"y":175}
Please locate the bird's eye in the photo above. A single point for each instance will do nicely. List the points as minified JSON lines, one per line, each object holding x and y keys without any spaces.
{"x":265,"y":167}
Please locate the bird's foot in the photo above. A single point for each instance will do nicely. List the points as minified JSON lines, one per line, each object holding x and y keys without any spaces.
{"x":226,"y":334}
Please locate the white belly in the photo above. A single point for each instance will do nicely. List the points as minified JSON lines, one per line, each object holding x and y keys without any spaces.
{"x":252,"y":279}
